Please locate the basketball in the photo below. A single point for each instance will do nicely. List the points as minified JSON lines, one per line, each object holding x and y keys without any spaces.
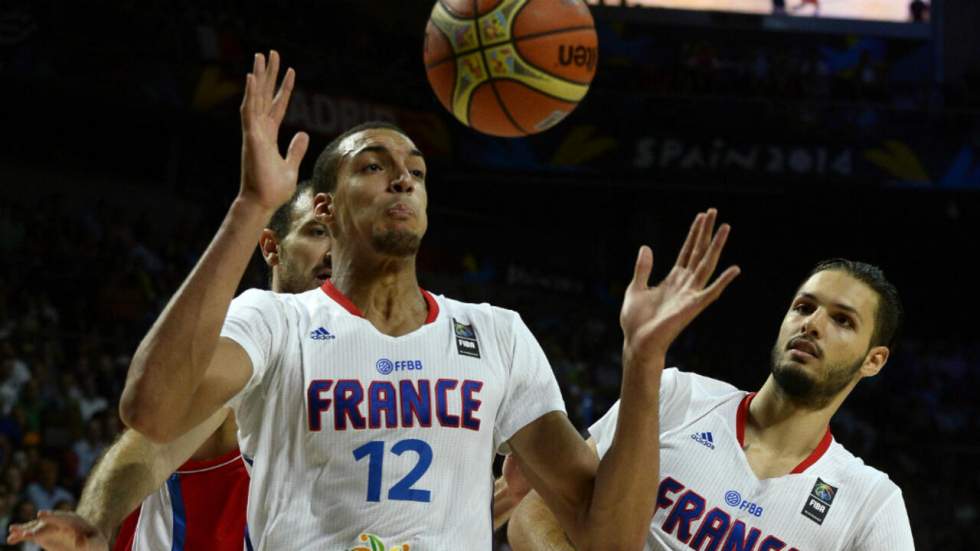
{"x":510,"y":67}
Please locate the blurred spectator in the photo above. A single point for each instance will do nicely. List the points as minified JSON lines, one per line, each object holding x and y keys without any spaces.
{"x":13,"y":375}
{"x":88,"y":398}
{"x":90,"y":447}
{"x":46,"y":493}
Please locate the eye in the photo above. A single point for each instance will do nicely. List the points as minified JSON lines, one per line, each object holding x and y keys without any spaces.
{"x":372,"y":167}
{"x":843,"y":321}
{"x":418,"y":174}
{"x":319,"y":231}
{"x":803,"y":308}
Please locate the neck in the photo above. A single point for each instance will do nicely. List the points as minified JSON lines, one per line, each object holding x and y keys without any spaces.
{"x":385,"y":289}
{"x":781,"y":424}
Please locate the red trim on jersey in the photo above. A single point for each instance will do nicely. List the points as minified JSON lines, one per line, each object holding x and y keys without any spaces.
{"x":342,"y":300}
{"x":201,"y":464}
{"x":817,"y":453}
{"x":432,"y":304}
{"x":743,"y":412}
{"x":127,"y":532}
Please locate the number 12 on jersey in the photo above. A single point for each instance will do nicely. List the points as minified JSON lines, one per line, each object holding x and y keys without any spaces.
{"x":402,"y":490}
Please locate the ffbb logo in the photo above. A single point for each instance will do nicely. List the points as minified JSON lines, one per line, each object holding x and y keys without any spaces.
{"x":580,"y":56}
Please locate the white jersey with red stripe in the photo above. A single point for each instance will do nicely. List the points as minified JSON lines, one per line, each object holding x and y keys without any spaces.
{"x":710,"y":499}
{"x":359,"y":440}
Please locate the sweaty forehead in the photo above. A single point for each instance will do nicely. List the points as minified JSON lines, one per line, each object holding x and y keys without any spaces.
{"x":835,"y":286}
{"x":390,"y":139}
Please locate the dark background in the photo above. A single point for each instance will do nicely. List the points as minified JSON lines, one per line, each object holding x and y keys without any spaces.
{"x":119,"y":155}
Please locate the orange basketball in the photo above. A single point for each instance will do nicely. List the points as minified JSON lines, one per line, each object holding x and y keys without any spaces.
{"x":510,"y":67}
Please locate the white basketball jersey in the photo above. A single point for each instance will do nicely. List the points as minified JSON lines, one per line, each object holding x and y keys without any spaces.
{"x":357,"y":439}
{"x":710,"y":499}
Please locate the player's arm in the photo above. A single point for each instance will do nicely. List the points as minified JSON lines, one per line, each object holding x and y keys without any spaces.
{"x":131,"y":469}
{"x":135,"y":467}
{"x":533,"y":527}
{"x":182,"y":371}
{"x":608,"y":504}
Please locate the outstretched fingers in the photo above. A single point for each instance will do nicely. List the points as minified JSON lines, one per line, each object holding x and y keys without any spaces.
{"x":281,"y":101}
{"x":271,"y":73}
{"x":703,"y":240}
{"x":642,"y":269}
{"x":20,"y":532}
{"x":714,"y":291}
{"x":709,"y":261}
{"x":684,"y":257}
{"x":297,"y":149}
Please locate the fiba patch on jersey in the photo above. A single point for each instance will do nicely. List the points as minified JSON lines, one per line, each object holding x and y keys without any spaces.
{"x":819,"y":500}
{"x":466,"y":339}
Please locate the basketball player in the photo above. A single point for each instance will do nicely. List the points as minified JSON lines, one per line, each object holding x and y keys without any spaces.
{"x":202,"y":504}
{"x":761,"y":471}
{"x":369,"y":410}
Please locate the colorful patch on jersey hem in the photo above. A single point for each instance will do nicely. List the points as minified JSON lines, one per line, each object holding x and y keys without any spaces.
{"x":466,"y":339}
{"x":375,"y":544}
{"x":818,"y":502}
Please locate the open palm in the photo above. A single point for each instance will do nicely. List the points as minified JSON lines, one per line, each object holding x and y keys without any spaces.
{"x":652,"y":317}
{"x":267,"y":177}
{"x":59,"y":531}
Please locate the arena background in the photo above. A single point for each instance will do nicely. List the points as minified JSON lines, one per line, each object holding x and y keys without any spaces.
{"x":814,"y":137}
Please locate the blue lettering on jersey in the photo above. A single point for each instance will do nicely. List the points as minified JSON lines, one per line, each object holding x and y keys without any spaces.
{"x":443,"y":386}
{"x":347,"y":398}
{"x":772,"y":543}
{"x":381,"y":399}
{"x":689,"y":508}
{"x":715,"y":530}
{"x":415,"y":403}
{"x":386,"y":366}
{"x":392,"y":405}
{"x":315,"y":403}
{"x":471,"y":404}
{"x":738,"y":541}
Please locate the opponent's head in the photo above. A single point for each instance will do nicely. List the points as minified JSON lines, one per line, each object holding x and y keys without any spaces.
{"x":296,"y":246}
{"x":841,"y":327}
{"x":370,"y":186}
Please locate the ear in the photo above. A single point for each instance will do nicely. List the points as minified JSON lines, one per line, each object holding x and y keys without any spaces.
{"x":874,"y":361}
{"x":324,"y":208}
{"x":269,"y":245}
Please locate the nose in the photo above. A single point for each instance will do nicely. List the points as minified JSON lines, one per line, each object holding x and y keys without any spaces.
{"x":404,"y":183}
{"x":813,"y":324}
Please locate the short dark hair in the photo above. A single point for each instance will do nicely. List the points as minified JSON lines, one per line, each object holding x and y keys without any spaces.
{"x":889,"y":314}
{"x":282,"y":220}
{"x":328,"y":163}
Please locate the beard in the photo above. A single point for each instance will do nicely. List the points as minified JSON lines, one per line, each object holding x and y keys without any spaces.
{"x":804,"y":388}
{"x":398,"y":243}
{"x":293,"y":280}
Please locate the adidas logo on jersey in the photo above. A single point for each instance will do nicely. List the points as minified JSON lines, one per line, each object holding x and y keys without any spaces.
{"x":704,"y":438}
{"x":321,"y":334}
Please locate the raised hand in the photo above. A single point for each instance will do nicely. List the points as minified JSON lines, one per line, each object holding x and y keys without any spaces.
{"x":267,"y":177}
{"x":652,"y":317}
{"x":59,"y":531}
